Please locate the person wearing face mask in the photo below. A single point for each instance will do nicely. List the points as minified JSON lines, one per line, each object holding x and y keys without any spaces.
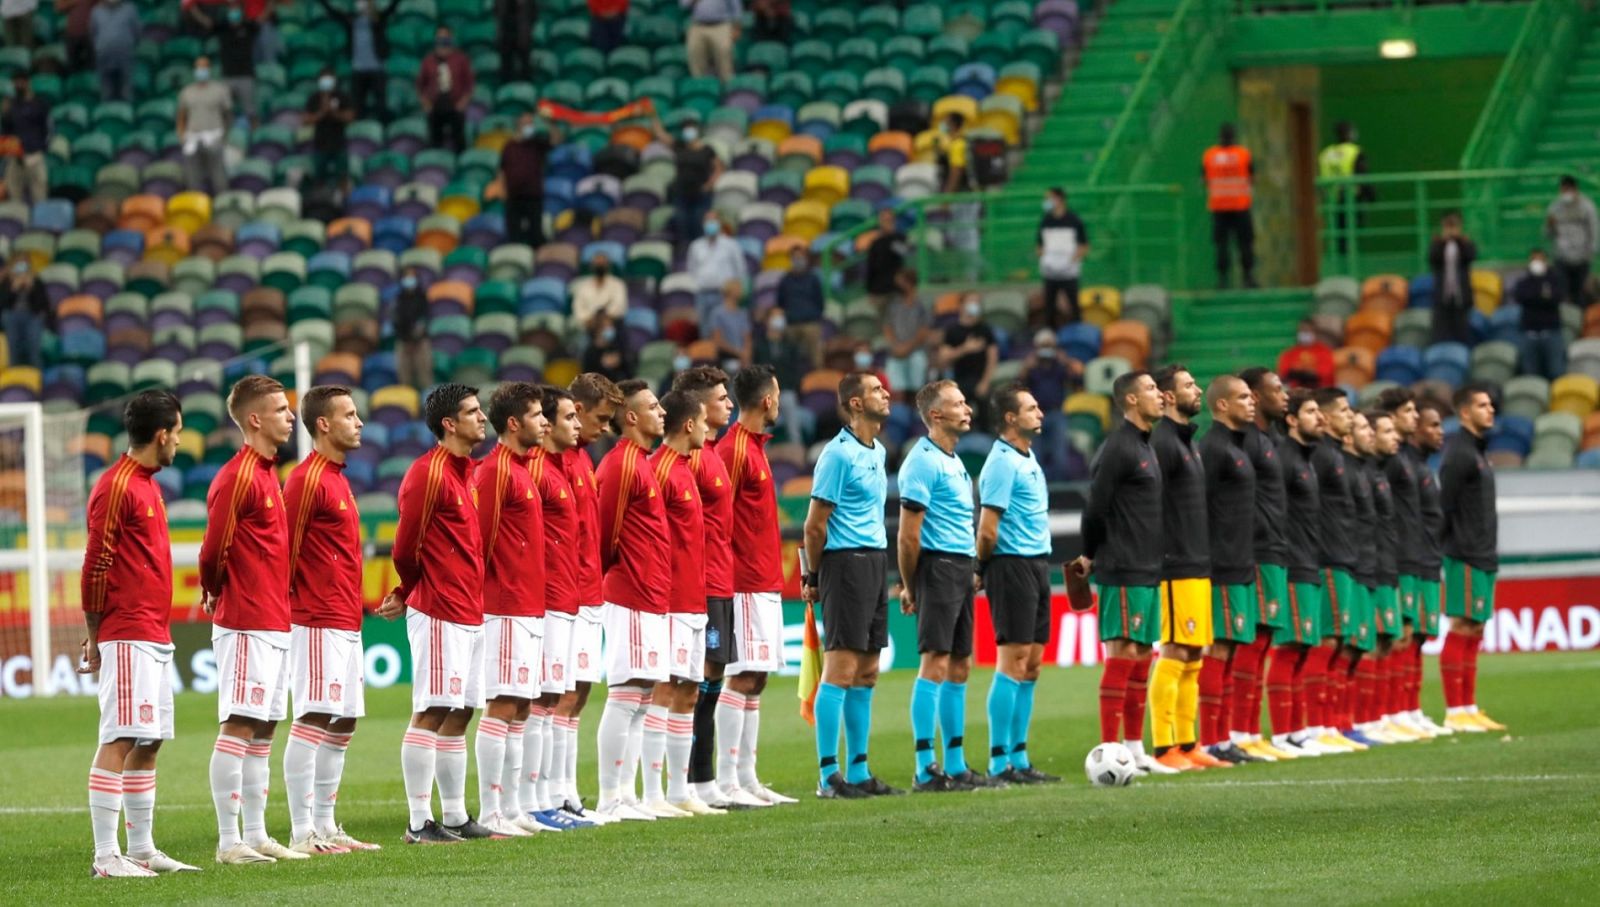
{"x":801,"y":297}
{"x":1061,"y":245}
{"x":413,"y":354}
{"x":1539,"y":295}
{"x":731,"y":328}
{"x":114,"y":35}
{"x":1050,"y":375}
{"x":26,"y":116}
{"x":236,"y":47}
{"x":789,"y":365}
{"x":366,"y":27}
{"x":969,"y":354}
{"x":601,"y":294}
{"x":696,"y":168}
{"x":328,"y":111}
{"x":444,"y":85}
{"x":522,"y":170}
{"x":1309,"y":363}
{"x":1450,"y":257}
{"x":606,"y":353}
{"x":25,"y":310}
{"x":1573,"y":228}
{"x":715,"y":259}
{"x":205,"y":110}
{"x":907,"y":333}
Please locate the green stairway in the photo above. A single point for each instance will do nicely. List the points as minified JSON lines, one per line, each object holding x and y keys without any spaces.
{"x":1570,"y":133}
{"x":1218,"y":332}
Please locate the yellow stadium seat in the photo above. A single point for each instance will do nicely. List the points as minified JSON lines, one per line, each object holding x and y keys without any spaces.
{"x":1101,"y":305}
{"x":776,"y":256}
{"x":560,"y":372}
{"x":829,"y":185}
{"x":1003,"y":122}
{"x":494,"y":140}
{"x":398,"y":395}
{"x":167,"y":244}
{"x":955,"y":103}
{"x":189,"y":442}
{"x":1487,"y":291}
{"x":1576,"y":393}
{"x":806,"y":218}
{"x":774,"y":131}
{"x":189,"y":211}
{"x":461,"y":207}
{"x":22,"y":376}
{"x":1022,"y":89}
{"x":1094,"y":404}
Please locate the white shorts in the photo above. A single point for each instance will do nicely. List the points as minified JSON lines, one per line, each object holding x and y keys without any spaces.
{"x":586,"y":663}
{"x":252,"y":677}
{"x":636,"y":645}
{"x":688,"y":646}
{"x":135,"y":690}
{"x":558,"y":677}
{"x":446,"y":663}
{"x":327,"y":672}
{"x":758,"y":629}
{"x":513,"y":656}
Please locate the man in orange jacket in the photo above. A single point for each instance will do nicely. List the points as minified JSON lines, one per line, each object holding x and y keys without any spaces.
{"x":1228,"y":173}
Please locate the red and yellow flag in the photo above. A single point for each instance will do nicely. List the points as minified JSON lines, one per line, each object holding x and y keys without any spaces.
{"x":810,"y":667}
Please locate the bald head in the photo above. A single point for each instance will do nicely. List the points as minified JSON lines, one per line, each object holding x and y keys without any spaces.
{"x":1232,"y":402}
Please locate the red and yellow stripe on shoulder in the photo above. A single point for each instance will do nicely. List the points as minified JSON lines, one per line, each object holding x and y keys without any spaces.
{"x":502,"y":479}
{"x":315,"y":467}
{"x":430,"y":491}
{"x":243,"y":478}
{"x":117,"y":489}
{"x":625,"y":478}
{"x":741,"y":453}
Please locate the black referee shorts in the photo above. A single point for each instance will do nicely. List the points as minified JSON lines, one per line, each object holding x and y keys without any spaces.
{"x":1019,"y":599}
{"x":943,"y":591}
{"x":721,"y":645}
{"x":853,"y":586}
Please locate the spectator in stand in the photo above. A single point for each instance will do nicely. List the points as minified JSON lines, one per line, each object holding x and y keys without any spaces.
{"x":413,"y":353}
{"x":1061,"y":245}
{"x":205,"y":109}
{"x":1450,"y":257}
{"x":75,"y":33}
{"x":516,"y":20}
{"x":1573,"y":228}
{"x":696,"y":168}
{"x":367,"y":36}
{"x":713,"y":29}
{"x":599,"y":295}
{"x":522,"y":166}
{"x":17,"y":17}
{"x":731,"y":329}
{"x":1230,"y":191}
{"x":606,"y":353}
{"x":715,"y":259}
{"x":1539,"y":294}
{"x":114,"y":32}
{"x":329,"y":112}
{"x":886,"y":258}
{"x":774,"y":20}
{"x":608,"y":24}
{"x":26,"y":116}
{"x":801,"y":297}
{"x":789,"y":366}
{"x":907,"y":334}
{"x":24,"y":313}
{"x":1050,"y":375}
{"x":1309,"y":363}
{"x":444,"y":84}
{"x":236,"y":52}
{"x":969,"y":355}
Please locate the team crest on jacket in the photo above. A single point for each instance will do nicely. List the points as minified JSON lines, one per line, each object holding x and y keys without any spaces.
{"x":522,"y":674}
{"x":765,"y":652}
{"x":651,"y":659}
{"x":147,"y":713}
{"x":1305,"y":625}
{"x":1272,"y":607}
{"x":455,"y":686}
{"x":683,"y":655}
{"x":257,"y":695}
{"x":1189,"y":625}
{"x":583,"y":660}
{"x":1238,"y":623}
{"x":556,"y":670}
{"x":1137,"y":620}
{"x":335,"y":692}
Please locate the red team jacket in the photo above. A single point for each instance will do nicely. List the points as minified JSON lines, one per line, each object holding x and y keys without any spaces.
{"x":549,"y":477}
{"x":244,"y":558}
{"x":716,"y":499}
{"x":757,"y":545}
{"x":127,"y":565}
{"x":635,"y":548}
{"x":511,"y":521}
{"x":581,"y":475}
{"x":687,"y":529}
{"x":324,"y":546}
{"x":438,"y":551}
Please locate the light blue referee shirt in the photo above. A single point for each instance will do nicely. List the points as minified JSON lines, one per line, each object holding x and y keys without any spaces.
{"x":1012,"y":483}
{"x":938,"y":484}
{"x":854,"y":479}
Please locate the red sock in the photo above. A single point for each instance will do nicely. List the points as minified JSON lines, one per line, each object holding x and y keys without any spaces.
{"x":1469,"y":674}
{"x":1281,"y":688}
{"x":1414,"y":702}
{"x":1246,"y":676}
{"x":1319,"y":690}
{"x":1366,"y":690}
{"x":1113,"y":690}
{"x":1352,"y":694}
{"x":1258,"y":693}
{"x":1138,"y":694}
{"x":1212,"y":672}
{"x":1451,"y":665}
{"x":1338,"y":688}
{"x":1394,"y":673}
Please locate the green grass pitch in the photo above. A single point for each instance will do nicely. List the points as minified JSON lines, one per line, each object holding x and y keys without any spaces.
{"x":1487,"y":819}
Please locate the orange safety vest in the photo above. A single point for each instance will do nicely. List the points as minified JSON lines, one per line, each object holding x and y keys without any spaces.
{"x":1227,"y":172}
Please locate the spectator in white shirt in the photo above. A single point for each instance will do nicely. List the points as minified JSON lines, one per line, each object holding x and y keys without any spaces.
{"x":714,"y":259}
{"x":599,"y":293}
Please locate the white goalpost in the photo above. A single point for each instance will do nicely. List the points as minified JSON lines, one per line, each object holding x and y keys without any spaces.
{"x":34,"y":560}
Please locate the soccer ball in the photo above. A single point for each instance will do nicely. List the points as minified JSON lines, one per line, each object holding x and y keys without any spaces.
{"x":1110,"y":765}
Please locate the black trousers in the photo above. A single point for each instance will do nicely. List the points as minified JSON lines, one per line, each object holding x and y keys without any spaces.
{"x":371,"y":90}
{"x":525,"y":219}
{"x":447,"y":126}
{"x":1238,"y":226}
{"x":1452,"y":320}
{"x":1060,"y":301}
{"x":1575,"y":275}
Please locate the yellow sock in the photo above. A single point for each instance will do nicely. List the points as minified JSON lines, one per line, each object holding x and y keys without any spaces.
{"x":1188,"y":703}
{"x":1164,"y":683}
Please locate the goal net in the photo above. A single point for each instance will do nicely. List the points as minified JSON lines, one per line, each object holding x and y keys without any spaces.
{"x":43,"y":495}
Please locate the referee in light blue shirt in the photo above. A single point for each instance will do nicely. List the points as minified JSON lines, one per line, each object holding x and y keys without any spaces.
{"x":936,"y":546}
{"x":847,"y":570}
{"x":1014,"y":563}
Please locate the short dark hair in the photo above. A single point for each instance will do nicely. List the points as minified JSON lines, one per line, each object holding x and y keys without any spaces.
{"x":1373,"y":414}
{"x":148,"y":413}
{"x":1428,"y":404}
{"x":700,"y":380}
{"x":1568,"y":181}
{"x":1298,"y":398}
{"x":316,"y":402}
{"x":928,"y":396}
{"x":752,"y":383}
{"x":850,"y":385}
{"x":1254,"y":377}
{"x":550,"y":400}
{"x":1123,"y":386}
{"x":1057,"y":191}
{"x":512,"y":400}
{"x":1006,"y":400}
{"x":590,"y":389}
{"x":678,"y":407}
{"x":1167,"y":376}
{"x":630,"y":387}
{"x":1394,"y":399}
{"x":445,"y":403}
{"x":1464,"y":394}
{"x":958,"y":118}
{"x":246,"y":391}
{"x":1327,"y":395}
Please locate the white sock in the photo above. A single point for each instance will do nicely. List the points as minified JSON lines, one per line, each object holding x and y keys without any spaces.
{"x":555,"y":760}
{"x":418,"y":760}
{"x":611,"y":740}
{"x":105,"y":810}
{"x":570,"y":773}
{"x":254,"y":783}
{"x":1137,"y":746}
{"x":730,"y":728}
{"x":548,"y":789}
{"x":329,"y":771}
{"x":227,"y":773}
{"x":633,"y":750}
{"x":1281,"y":740}
{"x":1238,"y":737}
{"x":653,"y":750}
{"x":300,"y":774}
{"x":748,"y":741}
{"x":532,"y":764}
{"x":511,"y":773}
{"x":490,"y":750}
{"x":139,"y":806}
{"x":680,"y":739}
{"x":450,"y":773}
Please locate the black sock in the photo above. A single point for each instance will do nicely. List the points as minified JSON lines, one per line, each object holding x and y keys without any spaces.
{"x":703,"y":753}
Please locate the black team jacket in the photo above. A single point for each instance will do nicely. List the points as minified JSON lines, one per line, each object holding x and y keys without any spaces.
{"x":1466,"y":495}
{"x":1430,"y":554}
{"x":1362,"y":528}
{"x":1336,"y":544}
{"x":1122,"y":521}
{"x":1386,"y":568}
{"x":1401,"y":470}
{"x":1302,"y":498}
{"x":1271,"y":543}
{"x":1230,"y":506}
{"x":1187,"y":554}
